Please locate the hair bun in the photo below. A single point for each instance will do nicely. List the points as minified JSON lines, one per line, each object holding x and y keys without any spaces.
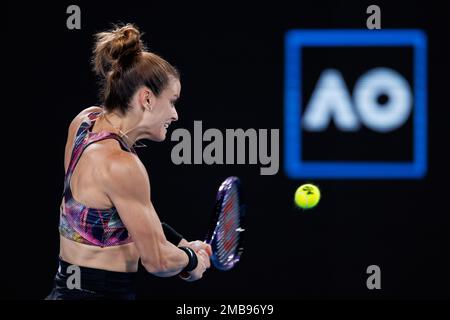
{"x":117,"y":49}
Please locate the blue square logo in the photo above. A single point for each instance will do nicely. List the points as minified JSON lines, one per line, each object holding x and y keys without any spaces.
{"x":295,"y":165}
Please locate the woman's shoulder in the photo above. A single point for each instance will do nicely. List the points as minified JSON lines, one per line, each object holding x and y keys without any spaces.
{"x":87,"y":111}
{"x":122,"y":168}
{"x":81,"y":116}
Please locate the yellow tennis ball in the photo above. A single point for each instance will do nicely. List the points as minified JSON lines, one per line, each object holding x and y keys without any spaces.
{"x":307,"y":196}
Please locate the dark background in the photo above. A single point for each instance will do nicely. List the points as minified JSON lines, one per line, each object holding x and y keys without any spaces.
{"x":231,"y":60}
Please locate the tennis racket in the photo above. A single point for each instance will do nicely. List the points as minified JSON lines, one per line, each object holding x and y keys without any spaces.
{"x":226,"y":232}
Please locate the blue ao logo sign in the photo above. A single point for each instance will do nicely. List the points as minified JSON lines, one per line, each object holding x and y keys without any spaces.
{"x":355,"y":104}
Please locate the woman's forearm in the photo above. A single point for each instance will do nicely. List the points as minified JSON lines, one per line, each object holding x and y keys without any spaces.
{"x":173,"y":260}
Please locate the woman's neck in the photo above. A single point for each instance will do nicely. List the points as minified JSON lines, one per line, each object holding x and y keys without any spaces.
{"x":111,"y":121}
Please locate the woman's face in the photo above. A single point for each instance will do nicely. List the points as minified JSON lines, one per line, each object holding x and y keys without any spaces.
{"x":163,"y":111}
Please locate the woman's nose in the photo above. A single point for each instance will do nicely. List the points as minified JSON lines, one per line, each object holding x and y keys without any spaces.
{"x":175,"y":115}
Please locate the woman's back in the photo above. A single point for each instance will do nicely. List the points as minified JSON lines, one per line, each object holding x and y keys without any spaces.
{"x":85,"y":191}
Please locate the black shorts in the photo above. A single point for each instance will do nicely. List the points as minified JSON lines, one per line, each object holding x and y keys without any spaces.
{"x":92,"y":284}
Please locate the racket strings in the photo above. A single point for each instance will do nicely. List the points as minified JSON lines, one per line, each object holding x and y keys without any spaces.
{"x":228,"y":236}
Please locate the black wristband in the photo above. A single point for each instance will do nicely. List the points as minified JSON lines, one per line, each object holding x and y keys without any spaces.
{"x":193,"y":261}
{"x":171,"y":235}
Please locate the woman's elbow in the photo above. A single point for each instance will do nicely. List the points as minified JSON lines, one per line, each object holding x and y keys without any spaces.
{"x":152,"y":267}
{"x":157,"y":268}
{"x":160,"y":262}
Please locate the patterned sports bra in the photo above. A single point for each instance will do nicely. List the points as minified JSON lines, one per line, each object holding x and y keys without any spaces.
{"x":97,"y":227}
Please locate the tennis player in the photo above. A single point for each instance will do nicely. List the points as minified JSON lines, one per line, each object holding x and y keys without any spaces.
{"x":107,"y":219}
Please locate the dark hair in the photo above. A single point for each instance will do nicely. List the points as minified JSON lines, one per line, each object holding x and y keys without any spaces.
{"x":124,"y":65}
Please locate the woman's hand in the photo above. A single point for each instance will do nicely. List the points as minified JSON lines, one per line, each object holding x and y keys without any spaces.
{"x":203,"y":264}
{"x":203,"y":251}
{"x":197,"y":245}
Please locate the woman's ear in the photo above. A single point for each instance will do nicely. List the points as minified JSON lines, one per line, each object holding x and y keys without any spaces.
{"x":146,"y":98}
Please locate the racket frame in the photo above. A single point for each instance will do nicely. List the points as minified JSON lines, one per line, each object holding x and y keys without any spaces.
{"x":226,"y":185}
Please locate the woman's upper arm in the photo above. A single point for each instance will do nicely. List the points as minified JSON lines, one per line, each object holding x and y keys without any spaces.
{"x":128,"y":187}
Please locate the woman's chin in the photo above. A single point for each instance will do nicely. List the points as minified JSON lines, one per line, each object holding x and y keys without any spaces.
{"x":162,"y":136}
{"x":157,"y":137}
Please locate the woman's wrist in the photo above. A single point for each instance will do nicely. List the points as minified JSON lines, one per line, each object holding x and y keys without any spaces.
{"x":193,"y":260}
